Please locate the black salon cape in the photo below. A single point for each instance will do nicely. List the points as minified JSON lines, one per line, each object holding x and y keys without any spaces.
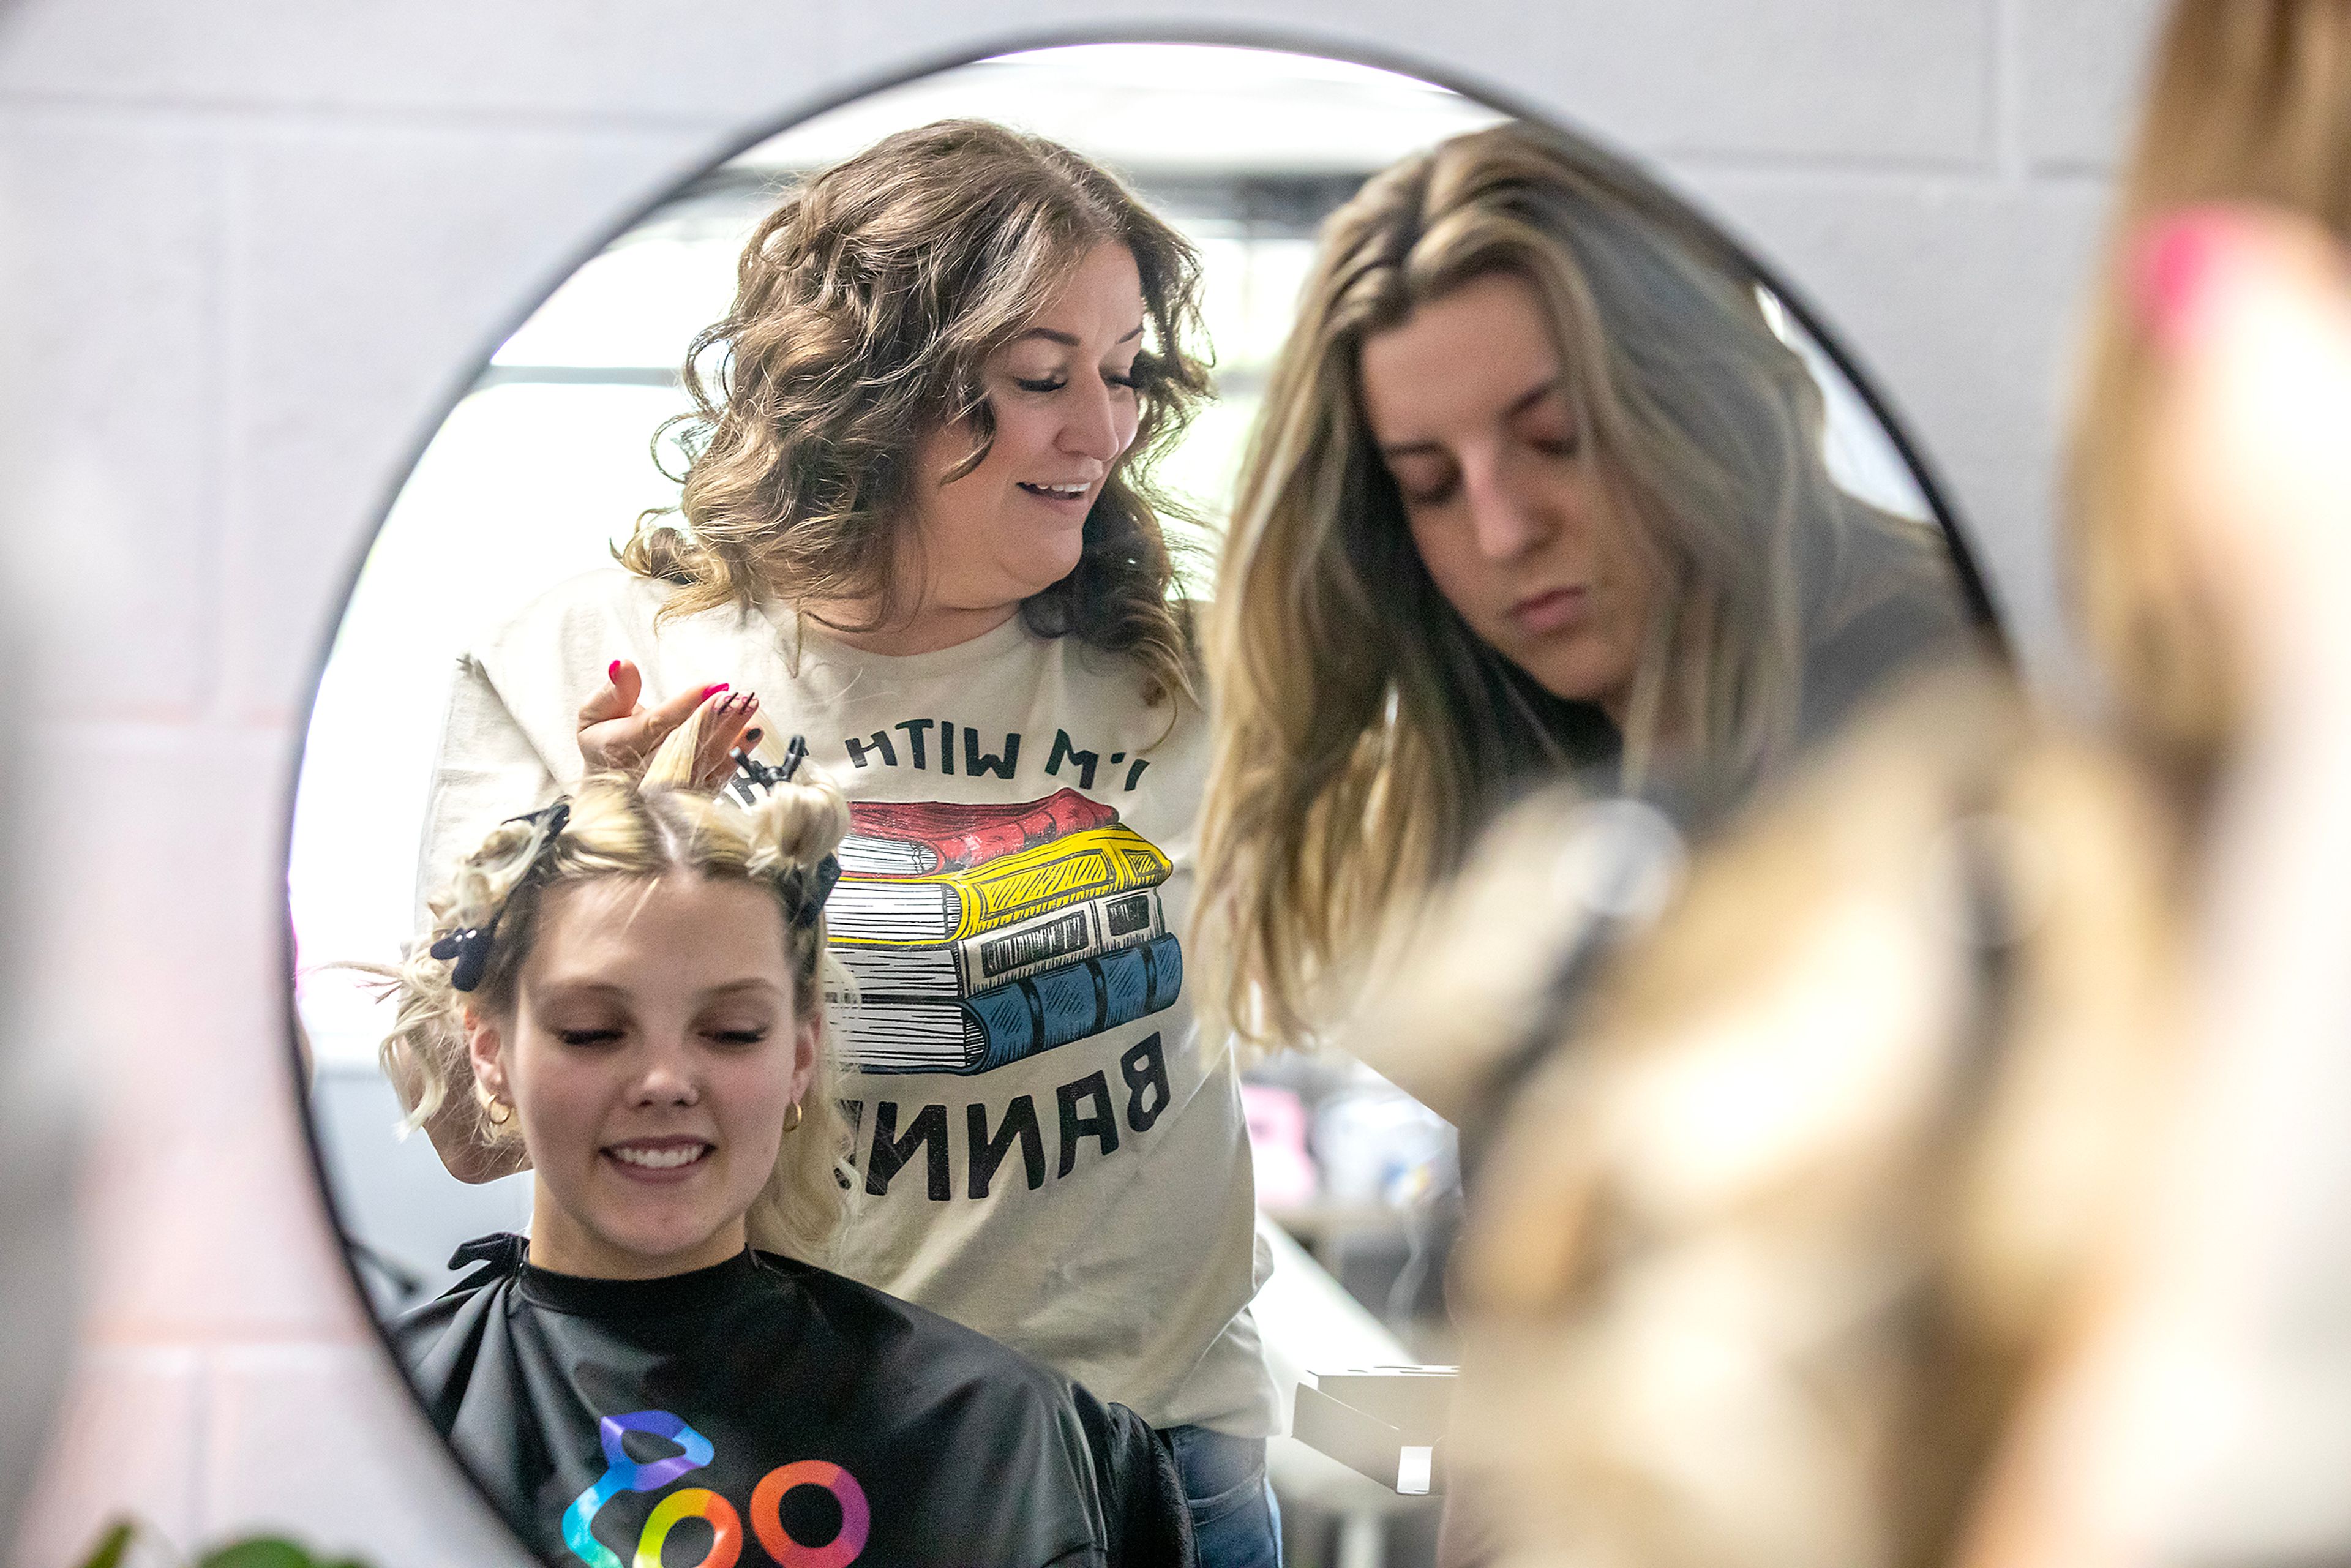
{"x":562,"y":1394}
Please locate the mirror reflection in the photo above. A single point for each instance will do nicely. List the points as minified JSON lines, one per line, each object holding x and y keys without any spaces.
{"x":924,"y":658}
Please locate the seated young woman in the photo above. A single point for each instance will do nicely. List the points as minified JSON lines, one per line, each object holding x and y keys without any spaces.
{"x":630,"y":979}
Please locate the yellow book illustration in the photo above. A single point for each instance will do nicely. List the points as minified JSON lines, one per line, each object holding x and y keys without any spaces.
{"x":924,"y":910}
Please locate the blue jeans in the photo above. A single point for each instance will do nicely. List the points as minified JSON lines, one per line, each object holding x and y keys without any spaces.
{"x":1234,"y":1517}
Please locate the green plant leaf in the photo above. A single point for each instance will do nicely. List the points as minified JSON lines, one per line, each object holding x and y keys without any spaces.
{"x":267,"y":1553}
{"x":112,"y":1546}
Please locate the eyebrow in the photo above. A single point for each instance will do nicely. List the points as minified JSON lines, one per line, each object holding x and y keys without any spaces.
{"x":1069,"y":339}
{"x":1523,"y":402}
{"x":560,"y":988}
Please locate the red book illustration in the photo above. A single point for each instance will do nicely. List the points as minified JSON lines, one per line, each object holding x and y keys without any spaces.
{"x":926,"y":838}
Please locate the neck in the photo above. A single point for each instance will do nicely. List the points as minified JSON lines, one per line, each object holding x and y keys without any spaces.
{"x":560,"y":1245}
{"x":926,"y":631}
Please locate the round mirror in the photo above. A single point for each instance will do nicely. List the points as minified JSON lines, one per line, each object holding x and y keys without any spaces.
{"x":1039,"y":1141}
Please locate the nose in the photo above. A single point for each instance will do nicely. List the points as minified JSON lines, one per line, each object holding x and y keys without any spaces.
{"x":1098,"y":423}
{"x":666,"y":1076}
{"x":1508,"y":512}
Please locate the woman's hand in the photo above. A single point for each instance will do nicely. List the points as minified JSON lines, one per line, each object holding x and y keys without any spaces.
{"x":618,"y":733}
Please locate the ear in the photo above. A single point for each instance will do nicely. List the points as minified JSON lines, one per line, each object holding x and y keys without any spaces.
{"x":808,"y":1039}
{"x":483,"y":1041}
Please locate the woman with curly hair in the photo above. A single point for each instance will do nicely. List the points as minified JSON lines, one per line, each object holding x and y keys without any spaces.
{"x":918,"y":526}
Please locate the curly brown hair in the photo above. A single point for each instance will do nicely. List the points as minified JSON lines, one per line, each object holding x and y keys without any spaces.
{"x":866,"y":306}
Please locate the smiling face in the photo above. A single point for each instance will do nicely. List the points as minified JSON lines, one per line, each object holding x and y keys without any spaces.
{"x":651,"y":1055}
{"x":1513,"y":513}
{"x":1065,"y":413}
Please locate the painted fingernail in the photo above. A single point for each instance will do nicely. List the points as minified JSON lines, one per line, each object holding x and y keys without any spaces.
{"x":2178,"y":258}
{"x":750,"y":701}
{"x":708,"y":692}
{"x":612,"y":671}
{"x":751,"y":738}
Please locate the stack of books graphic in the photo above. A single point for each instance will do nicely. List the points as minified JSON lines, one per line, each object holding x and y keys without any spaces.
{"x":979,"y":934}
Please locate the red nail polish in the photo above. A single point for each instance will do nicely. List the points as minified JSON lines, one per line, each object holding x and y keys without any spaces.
{"x":708,"y":692}
{"x":612,"y":671}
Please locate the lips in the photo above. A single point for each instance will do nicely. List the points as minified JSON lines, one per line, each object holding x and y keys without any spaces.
{"x":1551,"y":611}
{"x":659,"y":1159}
{"x":1058,"y":492}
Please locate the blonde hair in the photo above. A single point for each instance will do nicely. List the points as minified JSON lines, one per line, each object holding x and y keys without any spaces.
{"x":641,"y":830}
{"x":866,"y":306}
{"x":1807,"y":1183}
{"x":2250,"y":100}
{"x":1364,"y":732}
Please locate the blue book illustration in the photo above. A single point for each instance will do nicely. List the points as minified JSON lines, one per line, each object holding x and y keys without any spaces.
{"x":1009,"y":1023}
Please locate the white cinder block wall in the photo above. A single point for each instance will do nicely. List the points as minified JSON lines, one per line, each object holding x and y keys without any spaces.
{"x":247,"y":250}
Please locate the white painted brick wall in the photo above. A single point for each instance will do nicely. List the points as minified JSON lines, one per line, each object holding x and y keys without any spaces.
{"x":247,"y":250}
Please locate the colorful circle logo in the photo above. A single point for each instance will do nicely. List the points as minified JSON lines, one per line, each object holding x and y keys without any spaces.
{"x":693,"y":1502}
{"x":768,"y":1515}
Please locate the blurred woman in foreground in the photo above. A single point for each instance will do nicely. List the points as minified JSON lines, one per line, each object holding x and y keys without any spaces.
{"x":1955,"y":1173}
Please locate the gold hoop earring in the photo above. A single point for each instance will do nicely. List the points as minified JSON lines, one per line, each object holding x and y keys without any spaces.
{"x":492,"y":1110}
{"x":793,"y":1117}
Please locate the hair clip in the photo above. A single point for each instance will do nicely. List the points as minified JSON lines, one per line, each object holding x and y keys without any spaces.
{"x":810,"y":887}
{"x":806,"y":888}
{"x":471,"y":946}
{"x":550,"y":819}
{"x":751,"y":774}
{"x":471,"y":949}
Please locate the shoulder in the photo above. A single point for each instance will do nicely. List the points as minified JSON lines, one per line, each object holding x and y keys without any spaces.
{"x":919,"y":1343}
{"x":606,"y":597}
{"x":439,"y":1343}
{"x":560,"y":642}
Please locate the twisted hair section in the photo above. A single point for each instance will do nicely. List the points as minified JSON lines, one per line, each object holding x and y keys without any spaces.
{"x":640,"y":829}
{"x":867,"y":305}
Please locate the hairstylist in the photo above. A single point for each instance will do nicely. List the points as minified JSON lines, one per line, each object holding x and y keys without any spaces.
{"x":919,"y":526}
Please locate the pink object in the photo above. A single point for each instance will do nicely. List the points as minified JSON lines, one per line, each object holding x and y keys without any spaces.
{"x":1277,"y":1129}
{"x":2178,"y":258}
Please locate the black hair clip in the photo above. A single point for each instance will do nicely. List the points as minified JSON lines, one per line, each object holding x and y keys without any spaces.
{"x":754,"y":778}
{"x":471,"y":946}
{"x":809,"y":888}
{"x":806,"y":888}
{"x":471,"y":949}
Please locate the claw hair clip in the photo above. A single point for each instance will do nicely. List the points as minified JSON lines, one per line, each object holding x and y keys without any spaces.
{"x":470,"y":948}
{"x":805,"y":888}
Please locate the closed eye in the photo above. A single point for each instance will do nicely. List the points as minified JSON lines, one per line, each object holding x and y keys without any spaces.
{"x":739,"y":1037}
{"x":1422,"y":483}
{"x":587,"y":1037}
